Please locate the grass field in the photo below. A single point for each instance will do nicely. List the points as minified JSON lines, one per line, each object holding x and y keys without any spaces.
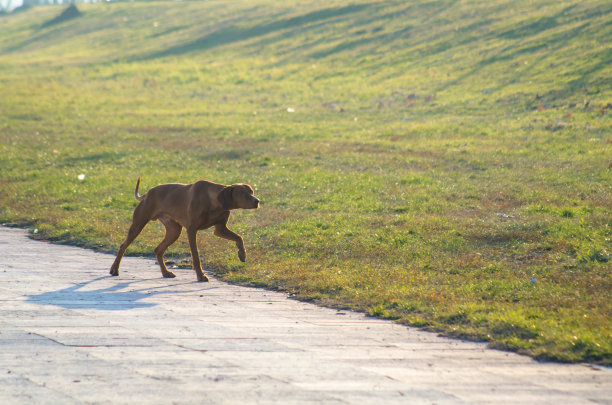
{"x":446,"y":164}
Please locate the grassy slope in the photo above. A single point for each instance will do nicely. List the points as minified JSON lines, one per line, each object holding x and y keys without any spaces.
{"x":441,"y":154}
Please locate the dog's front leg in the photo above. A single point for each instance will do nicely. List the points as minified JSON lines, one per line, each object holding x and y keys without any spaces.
{"x":195,"y":256}
{"x":222,"y":231}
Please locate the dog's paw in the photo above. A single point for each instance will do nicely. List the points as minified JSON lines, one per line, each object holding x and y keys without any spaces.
{"x":242,"y":255}
{"x":168,"y":274}
{"x":202,"y":278}
{"x":114,"y":272}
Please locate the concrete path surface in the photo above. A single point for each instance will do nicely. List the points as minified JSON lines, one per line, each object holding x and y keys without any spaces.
{"x":71,"y":334}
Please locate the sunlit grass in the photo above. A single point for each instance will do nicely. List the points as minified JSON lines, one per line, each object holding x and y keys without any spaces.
{"x":446,"y":166}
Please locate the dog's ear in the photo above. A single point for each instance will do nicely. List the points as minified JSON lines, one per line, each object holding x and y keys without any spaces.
{"x":225,"y":198}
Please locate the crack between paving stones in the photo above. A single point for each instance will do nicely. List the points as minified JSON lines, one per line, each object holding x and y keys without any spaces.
{"x":84,"y":346}
{"x":44,"y":385}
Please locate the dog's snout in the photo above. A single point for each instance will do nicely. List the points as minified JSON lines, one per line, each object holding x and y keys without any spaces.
{"x":256,"y":201}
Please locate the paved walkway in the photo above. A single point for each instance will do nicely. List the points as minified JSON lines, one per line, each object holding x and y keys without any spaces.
{"x":71,"y":334}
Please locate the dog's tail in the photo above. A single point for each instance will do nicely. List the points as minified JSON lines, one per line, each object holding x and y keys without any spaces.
{"x":136,"y":195}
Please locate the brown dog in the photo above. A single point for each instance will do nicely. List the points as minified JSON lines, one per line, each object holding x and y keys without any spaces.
{"x":193,"y":206}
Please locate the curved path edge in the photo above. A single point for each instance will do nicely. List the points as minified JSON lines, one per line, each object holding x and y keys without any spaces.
{"x":72,"y":334}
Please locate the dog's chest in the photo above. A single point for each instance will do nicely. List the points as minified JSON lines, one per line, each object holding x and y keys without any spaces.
{"x":212,"y":219}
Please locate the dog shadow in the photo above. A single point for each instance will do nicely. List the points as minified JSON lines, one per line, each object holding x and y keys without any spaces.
{"x":118,"y":297}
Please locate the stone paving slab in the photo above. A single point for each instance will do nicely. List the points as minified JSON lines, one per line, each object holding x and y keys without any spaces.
{"x":72,"y":334}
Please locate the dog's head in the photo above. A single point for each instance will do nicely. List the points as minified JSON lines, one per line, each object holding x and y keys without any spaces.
{"x":238,"y":196}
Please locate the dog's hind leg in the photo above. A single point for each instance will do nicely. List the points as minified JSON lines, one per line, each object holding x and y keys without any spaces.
{"x":173,"y":231}
{"x":138,"y":223}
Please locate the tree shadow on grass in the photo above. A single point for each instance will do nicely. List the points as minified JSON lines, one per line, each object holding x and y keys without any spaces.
{"x":118,"y":297}
{"x":233,"y":33}
{"x":69,"y":13}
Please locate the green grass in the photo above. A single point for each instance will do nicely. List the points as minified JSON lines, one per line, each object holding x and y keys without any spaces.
{"x":446,"y":164}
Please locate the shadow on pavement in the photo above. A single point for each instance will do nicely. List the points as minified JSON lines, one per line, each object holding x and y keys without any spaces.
{"x":119,"y":297}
